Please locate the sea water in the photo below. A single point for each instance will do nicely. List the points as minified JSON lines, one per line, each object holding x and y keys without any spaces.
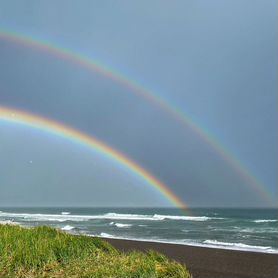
{"x":240,"y":229}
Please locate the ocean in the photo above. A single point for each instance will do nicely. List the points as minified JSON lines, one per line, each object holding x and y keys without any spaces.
{"x":239,"y":229}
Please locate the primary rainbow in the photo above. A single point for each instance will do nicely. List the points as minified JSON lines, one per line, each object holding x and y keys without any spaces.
{"x":150,"y":96}
{"x":54,"y":127}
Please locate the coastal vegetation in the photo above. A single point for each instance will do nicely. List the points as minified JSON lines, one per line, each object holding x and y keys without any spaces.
{"x":47,"y":252}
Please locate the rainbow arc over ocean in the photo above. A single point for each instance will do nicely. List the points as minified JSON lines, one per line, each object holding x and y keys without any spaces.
{"x":179,"y":115}
{"x":76,"y":136}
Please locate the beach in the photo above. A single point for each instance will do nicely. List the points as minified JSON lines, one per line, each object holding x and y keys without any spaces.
{"x":210,"y":262}
{"x":210,"y":242}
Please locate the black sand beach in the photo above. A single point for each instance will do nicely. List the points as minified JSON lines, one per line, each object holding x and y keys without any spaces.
{"x":210,"y":262}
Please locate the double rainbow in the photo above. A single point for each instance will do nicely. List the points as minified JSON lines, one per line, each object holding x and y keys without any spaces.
{"x":150,"y":96}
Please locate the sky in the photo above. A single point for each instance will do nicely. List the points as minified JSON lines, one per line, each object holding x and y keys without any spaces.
{"x":216,"y":61}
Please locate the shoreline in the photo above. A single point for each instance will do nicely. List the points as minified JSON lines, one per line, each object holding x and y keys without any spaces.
{"x":221,"y":247}
{"x":209,"y":262}
{"x":189,"y":244}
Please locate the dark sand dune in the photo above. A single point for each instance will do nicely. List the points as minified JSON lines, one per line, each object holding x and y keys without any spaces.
{"x":210,"y":262}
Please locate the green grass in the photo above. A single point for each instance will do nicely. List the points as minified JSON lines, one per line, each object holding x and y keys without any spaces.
{"x":47,"y":252}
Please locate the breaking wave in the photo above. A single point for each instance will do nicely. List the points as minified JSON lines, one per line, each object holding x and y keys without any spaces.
{"x":66,"y":216}
{"x":67,"y":228}
{"x":238,"y":246}
{"x":8,"y":222}
{"x":106,"y":235}
{"x":265,"y":220}
{"x":120,"y":225}
{"x":186,"y":218}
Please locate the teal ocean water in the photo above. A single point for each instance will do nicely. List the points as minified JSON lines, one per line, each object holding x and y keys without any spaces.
{"x":240,"y":229}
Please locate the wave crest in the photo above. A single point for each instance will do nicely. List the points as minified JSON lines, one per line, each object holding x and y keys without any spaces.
{"x":66,"y":216}
{"x":67,"y":228}
{"x":265,"y":220}
{"x":120,"y":225}
{"x":234,"y":245}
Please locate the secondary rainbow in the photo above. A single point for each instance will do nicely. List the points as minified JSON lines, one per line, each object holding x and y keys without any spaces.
{"x":76,"y":136}
{"x":152,"y":97}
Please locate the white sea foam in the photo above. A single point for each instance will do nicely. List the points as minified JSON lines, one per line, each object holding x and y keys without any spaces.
{"x":257,"y":230}
{"x":8,"y":222}
{"x":126,"y":216}
{"x":106,"y":235}
{"x":265,"y":220}
{"x":155,"y":217}
{"x":239,"y":246}
{"x":65,"y":212}
{"x":120,"y":225}
{"x":186,"y":218}
{"x":68,"y":228}
{"x":41,"y":217}
{"x":63,"y":217}
{"x":108,"y":216}
{"x":248,"y":230}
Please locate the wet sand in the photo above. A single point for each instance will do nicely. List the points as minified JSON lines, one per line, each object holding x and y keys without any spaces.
{"x":210,"y":262}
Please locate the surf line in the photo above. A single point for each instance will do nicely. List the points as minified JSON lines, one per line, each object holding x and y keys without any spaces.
{"x":152,"y":97}
{"x":53,"y":127}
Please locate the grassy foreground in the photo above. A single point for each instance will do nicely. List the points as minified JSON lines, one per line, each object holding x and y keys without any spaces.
{"x":47,"y":252}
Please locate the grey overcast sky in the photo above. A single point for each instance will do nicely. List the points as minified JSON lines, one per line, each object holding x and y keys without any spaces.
{"x":215,"y":60}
